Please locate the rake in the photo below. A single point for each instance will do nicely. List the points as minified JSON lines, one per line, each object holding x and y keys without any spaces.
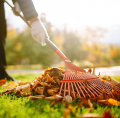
{"x":86,"y":85}
{"x":76,"y":79}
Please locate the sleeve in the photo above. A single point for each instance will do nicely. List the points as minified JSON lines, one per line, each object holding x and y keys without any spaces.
{"x":14,"y":1}
{"x":28,"y":9}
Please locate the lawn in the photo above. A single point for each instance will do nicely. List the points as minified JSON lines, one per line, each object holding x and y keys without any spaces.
{"x":13,"y":107}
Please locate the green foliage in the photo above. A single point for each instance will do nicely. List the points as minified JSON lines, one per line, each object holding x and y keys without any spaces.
{"x":72,"y":46}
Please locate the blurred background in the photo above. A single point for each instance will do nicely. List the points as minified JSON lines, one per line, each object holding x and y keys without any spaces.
{"x":87,"y":32}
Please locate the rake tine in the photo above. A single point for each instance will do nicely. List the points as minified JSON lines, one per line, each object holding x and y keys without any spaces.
{"x":96,"y":88}
{"x":98,"y":85}
{"x":102,"y":85}
{"x":81,"y":91}
{"x":96,"y":92}
{"x":74,"y":77}
{"x":84,"y":88}
{"x":73,"y":91}
{"x":68,"y":89}
{"x":60,"y":88}
{"x":90,"y":92}
{"x":72,"y":87}
{"x":62,"y":83}
{"x":77,"y":91}
{"x":106,"y":87}
{"x":65,"y":90}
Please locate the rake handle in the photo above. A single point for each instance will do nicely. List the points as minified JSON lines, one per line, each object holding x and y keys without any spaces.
{"x":49,"y":42}
{"x":57,"y":50}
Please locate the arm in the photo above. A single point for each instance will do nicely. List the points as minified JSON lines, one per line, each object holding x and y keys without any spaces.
{"x":28,"y":9}
{"x":38,"y":30}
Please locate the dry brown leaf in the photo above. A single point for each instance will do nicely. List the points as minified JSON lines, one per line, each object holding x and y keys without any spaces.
{"x":49,"y":79}
{"x":44,"y":84}
{"x":40,"y":96}
{"x":50,"y":98}
{"x":9,"y":91}
{"x":24,"y":89}
{"x":62,"y":71}
{"x":87,"y":102}
{"x":10,"y":85}
{"x":39,"y":90}
{"x":58,"y":98}
{"x":93,"y":71}
{"x":99,"y":74}
{"x":89,"y":70}
{"x":23,"y":83}
{"x":36,"y":97}
{"x":113,"y":81}
{"x":55,"y":77}
{"x":51,"y":91}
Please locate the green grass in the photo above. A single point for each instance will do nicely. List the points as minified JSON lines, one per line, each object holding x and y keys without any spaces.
{"x":13,"y":107}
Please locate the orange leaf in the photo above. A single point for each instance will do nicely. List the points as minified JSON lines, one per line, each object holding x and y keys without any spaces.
{"x":103,"y":81}
{"x":3,"y":81}
{"x":110,"y":101}
{"x":113,"y":102}
{"x":61,"y":67}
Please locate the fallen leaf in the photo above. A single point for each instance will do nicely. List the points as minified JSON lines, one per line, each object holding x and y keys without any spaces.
{"x":49,"y":79}
{"x":89,"y":70}
{"x":87,"y":102}
{"x":9,"y":91}
{"x":110,"y":101}
{"x":10,"y":85}
{"x":39,"y":90}
{"x":68,"y":99}
{"x":58,"y":98}
{"x":3,"y":81}
{"x":50,"y":98}
{"x":107,"y":114}
{"x":44,"y":84}
{"x":51,"y":91}
{"x":61,"y":67}
{"x":91,"y":115}
{"x":36,"y":97}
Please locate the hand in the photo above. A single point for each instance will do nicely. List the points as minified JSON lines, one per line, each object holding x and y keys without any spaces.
{"x":39,"y":32}
{"x":16,"y":8}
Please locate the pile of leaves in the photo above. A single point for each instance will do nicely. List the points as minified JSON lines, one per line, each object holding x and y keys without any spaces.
{"x":47,"y":87}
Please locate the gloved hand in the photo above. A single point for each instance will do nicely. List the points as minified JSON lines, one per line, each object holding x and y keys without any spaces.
{"x":39,"y":32}
{"x":16,"y":8}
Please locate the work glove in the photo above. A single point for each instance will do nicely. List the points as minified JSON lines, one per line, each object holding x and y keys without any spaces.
{"x":39,"y":32}
{"x":16,"y":8}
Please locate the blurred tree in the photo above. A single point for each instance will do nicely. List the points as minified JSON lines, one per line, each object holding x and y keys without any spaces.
{"x":21,"y":48}
{"x":72,"y":46}
{"x":91,"y":44}
{"x":25,"y":50}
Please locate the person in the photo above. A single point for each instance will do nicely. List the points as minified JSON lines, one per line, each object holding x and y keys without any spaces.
{"x":38,"y":30}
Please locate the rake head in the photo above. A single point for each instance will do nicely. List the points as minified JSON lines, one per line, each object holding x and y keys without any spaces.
{"x":85,"y":85}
